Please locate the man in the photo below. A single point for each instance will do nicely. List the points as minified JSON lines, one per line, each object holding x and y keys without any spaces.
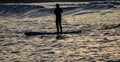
{"x":58,"y":12}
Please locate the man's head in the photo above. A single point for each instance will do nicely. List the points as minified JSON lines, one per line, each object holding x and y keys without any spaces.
{"x":57,"y":5}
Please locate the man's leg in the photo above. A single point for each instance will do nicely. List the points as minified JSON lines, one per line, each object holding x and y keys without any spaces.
{"x":60,"y":26}
{"x":57,"y":26}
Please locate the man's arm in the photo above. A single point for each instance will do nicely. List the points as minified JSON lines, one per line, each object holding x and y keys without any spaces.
{"x":61,"y":10}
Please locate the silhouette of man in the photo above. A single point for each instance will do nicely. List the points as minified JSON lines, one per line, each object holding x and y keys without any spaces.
{"x":58,"y":12}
